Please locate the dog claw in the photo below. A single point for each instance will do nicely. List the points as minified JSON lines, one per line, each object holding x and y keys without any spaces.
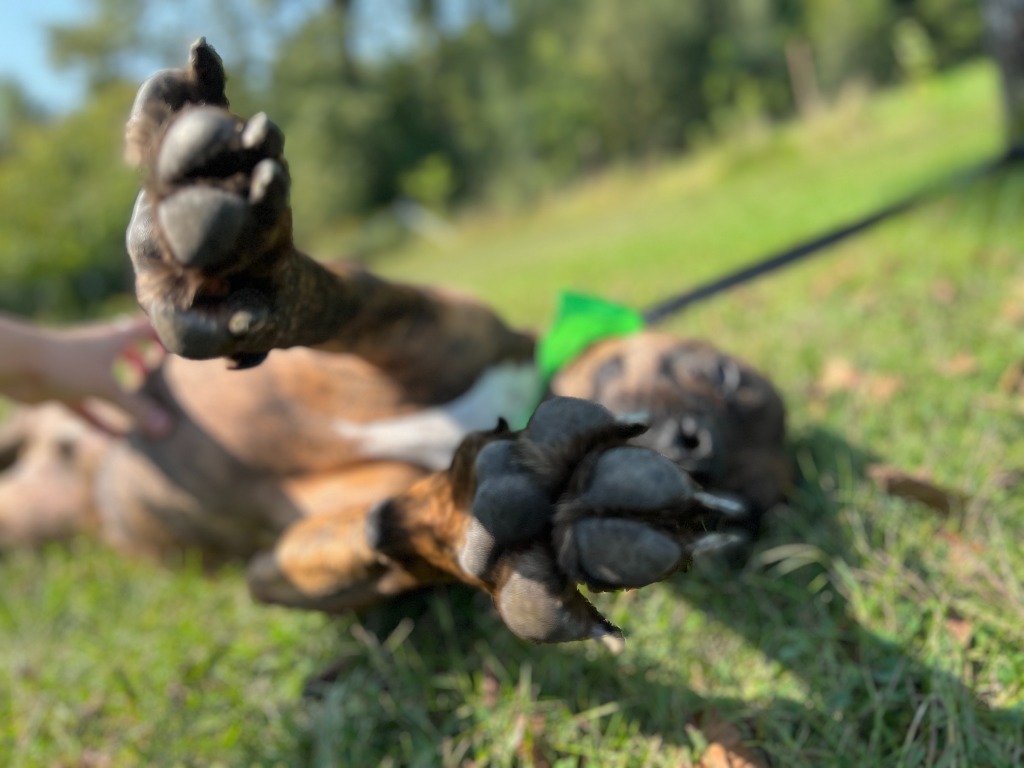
{"x":724,"y":503}
{"x":247,"y":360}
{"x":612,"y":639}
{"x":714,"y":542}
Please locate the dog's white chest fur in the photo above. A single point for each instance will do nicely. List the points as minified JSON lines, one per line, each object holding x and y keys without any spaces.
{"x":429,"y":437}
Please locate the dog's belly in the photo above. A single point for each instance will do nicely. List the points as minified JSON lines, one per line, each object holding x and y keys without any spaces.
{"x":279,"y":417}
{"x":305,"y":412}
{"x":302,"y":435}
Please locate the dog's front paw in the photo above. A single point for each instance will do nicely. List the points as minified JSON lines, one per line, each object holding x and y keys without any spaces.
{"x":569,"y":502}
{"x":210,"y":234}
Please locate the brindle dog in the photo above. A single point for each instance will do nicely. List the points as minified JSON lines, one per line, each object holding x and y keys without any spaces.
{"x":361,"y":459}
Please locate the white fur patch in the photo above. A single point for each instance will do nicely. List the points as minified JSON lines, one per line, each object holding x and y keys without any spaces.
{"x":429,"y":437}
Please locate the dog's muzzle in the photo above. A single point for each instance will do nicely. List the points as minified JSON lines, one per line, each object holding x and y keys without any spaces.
{"x":693,"y":441}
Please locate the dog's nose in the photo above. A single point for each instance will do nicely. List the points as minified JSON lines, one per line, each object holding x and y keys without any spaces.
{"x":695,"y":439}
{"x":691,"y":441}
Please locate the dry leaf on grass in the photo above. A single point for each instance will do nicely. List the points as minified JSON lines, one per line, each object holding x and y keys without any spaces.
{"x":531,"y":744}
{"x":490,"y":687}
{"x":964,"y":556}
{"x":916,"y":487}
{"x":961,"y":629}
{"x":1013,"y":311}
{"x":1008,"y":479}
{"x":944,"y":291}
{"x":840,"y":375}
{"x":882,"y":387}
{"x":1012,"y":380}
{"x":1013,"y":308}
{"x":960,"y":364}
{"x":726,"y":748}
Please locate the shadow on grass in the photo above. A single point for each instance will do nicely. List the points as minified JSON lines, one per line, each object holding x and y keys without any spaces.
{"x":844,"y":695}
{"x":868,"y":698}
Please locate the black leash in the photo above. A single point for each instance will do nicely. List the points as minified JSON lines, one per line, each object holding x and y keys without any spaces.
{"x":661,"y":311}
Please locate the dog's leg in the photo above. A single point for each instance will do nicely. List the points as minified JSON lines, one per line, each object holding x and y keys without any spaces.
{"x":217,"y":271}
{"x":327,"y":563}
{"x":525,"y":516}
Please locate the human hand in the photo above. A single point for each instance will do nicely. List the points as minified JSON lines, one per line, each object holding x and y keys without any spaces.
{"x":79,"y":364}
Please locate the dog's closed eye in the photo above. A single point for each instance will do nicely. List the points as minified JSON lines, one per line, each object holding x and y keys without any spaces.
{"x":727,"y":376}
{"x":606,"y":373}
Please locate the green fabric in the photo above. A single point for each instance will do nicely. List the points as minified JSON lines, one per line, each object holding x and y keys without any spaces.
{"x":582,"y":320}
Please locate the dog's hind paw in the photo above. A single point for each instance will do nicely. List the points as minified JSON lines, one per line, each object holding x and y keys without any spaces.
{"x":568,"y":502}
{"x":527,"y":516}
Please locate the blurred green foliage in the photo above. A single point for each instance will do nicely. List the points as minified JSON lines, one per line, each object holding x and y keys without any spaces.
{"x":66,"y":195}
{"x":485,"y":102}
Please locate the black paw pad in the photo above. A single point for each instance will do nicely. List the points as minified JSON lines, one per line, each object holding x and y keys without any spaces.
{"x":245,"y":360}
{"x":202,"y":335}
{"x":202,"y":225}
{"x":638,"y":479}
{"x":617,"y":553}
{"x":194,"y":142}
{"x":495,"y":459}
{"x":509,"y":507}
{"x":563,"y":418}
{"x":512,"y":507}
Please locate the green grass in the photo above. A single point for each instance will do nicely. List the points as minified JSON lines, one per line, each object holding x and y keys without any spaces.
{"x":843,"y":644}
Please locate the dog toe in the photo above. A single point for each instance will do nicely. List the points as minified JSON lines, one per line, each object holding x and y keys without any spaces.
{"x":263,"y":136}
{"x":195,"y":142}
{"x":538,"y":604}
{"x":637,"y":479}
{"x":617,"y":553}
{"x":202,"y":225}
{"x":563,"y":418}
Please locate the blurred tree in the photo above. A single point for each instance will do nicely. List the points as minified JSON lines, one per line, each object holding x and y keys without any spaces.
{"x":16,"y":110}
{"x":103,"y":45}
{"x":67,"y":194}
{"x":954,"y":28}
{"x":1004,"y":27}
{"x":442,"y":101}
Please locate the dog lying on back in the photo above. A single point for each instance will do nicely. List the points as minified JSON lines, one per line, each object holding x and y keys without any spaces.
{"x":371,"y":453}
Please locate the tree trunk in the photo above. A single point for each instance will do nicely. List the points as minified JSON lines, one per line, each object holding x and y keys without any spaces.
{"x":1004,"y":29}
{"x":803,"y":78}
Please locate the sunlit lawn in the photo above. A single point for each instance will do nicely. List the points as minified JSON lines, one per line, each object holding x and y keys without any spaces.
{"x":867,"y":631}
